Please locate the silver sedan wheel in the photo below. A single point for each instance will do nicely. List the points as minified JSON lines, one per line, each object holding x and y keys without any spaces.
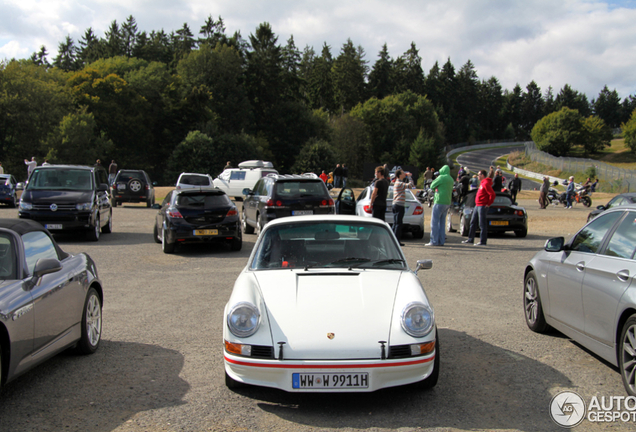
{"x":531,"y":301}
{"x":627,"y":360}
{"x":94,"y":320}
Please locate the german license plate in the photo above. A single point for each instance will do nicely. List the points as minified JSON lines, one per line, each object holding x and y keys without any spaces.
{"x":204,"y":232}
{"x":302,"y":212}
{"x":121,"y":186}
{"x":498,"y":223}
{"x":330,"y":381}
{"x":53,"y":226}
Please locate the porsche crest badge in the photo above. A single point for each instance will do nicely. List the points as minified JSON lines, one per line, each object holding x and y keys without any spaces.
{"x":331,"y":335}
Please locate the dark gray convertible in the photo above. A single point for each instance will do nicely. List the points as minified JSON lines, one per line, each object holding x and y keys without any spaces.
{"x":49,"y":300}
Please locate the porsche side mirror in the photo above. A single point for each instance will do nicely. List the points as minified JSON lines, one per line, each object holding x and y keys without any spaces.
{"x":424,"y":265}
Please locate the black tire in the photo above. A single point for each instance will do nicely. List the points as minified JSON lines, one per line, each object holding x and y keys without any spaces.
{"x":108,"y":228}
{"x":431,"y":381}
{"x":247,"y":228}
{"x":521,"y":233}
{"x":12,"y":203}
{"x":91,"y":324}
{"x":586,"y":200}
{"x":93,"y":233}
{"x":533,"y":310}
{"x":231,"y":383}
{"x":419,"y":234}
{"x":113,"y":203}
{"x":236,"y":244}
{"x":627,"y":356}
{"x":165,"y":246}
{"x":463,"y":227}
{"x":449,"y":223}
{"x":156,"y":235}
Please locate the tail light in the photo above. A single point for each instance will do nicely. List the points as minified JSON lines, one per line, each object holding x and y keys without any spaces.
{"x":327,"y":203}
{"x":174,"y":213}
{"x":518,"y":213}
{"x":368,"y":209}
{"x":232,"y":212}
{"x":272,"y":203}
{"x":418,"y":210}
{"x":147,"y":187}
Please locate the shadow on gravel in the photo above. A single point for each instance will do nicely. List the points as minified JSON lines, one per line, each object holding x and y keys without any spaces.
{"x":481,"y":386}
{"x":93,"y":393}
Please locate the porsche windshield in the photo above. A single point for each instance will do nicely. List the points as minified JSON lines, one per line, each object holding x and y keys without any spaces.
{"x":328,"y":245}
{"x":61,"y":179}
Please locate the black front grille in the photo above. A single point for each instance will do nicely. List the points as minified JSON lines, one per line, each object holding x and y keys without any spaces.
{"x":260,"y":351}
{"x":400,"y":351}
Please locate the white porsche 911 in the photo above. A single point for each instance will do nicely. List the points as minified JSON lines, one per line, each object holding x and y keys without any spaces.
{"x":328,"y":304}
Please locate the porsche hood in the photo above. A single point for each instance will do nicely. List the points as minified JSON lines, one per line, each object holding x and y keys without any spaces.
{"x":329,"y":315}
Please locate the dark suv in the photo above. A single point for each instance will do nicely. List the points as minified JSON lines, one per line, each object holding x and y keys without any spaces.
{"x":133,"y":186}
{"x":68,"y":198}
{"x":277,"y":196}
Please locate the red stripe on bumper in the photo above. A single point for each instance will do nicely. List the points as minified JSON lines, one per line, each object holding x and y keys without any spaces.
{"x":317,"y":366}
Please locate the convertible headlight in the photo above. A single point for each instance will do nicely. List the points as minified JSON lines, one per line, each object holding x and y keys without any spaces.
{"x":24,"y":205}
{"x":417,"y":319}
{"x":84,"y":206}
{"x":243,"y":319}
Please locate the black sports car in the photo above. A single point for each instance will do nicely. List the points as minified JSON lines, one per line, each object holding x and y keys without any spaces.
{"x":49,"y":300}
{"x":618,"y":200}
{"x":503,"y":215}
{"x":197,"y":215}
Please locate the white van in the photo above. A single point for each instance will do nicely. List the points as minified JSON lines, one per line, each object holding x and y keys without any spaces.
{"x":234,"y":180}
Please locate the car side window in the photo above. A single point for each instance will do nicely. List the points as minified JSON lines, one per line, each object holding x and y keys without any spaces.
{"x":363,"y":194}
{"x":237,"y":175}
{"x":166,"y":200}
{"x":616,"y":202}
{"x":257,"y":188}
{"x":589,"y":239}
{"x":8,"y":261}
{"x":623,"y":240}
{"x":37,"y":245}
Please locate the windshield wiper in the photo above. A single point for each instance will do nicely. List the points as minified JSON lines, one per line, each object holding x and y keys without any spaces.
{"x":350,"y":259}
{"x":389,"y":261}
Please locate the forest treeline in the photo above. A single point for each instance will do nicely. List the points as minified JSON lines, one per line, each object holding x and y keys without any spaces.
{"x":173,"y":102}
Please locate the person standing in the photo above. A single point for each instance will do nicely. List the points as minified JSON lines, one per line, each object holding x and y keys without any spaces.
{"x":514,"y":186}
{"x":30,"y":166}
{"x":46,"y":162}
{"x":345,"y":174}
{"x":380,"y":191}
{"x":497,"y":183}
{"x":443,"y":186}
{"x":543,"y":193}
{"x":399,"y":201}
{"x":324,"y":177}
{"x":464,"y":182}
{"x":112,"y":172}
{"x":569,"y":193}
{"x":483,"y":200}
{"x":428,"y":174}
{"x":337,"y":176}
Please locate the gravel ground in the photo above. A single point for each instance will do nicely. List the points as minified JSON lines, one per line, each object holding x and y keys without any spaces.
{"x":159,"y":367}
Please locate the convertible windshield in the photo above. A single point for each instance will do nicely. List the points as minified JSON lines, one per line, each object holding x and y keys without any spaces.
{"x":328,"y":245}
{"x":61,"y":178}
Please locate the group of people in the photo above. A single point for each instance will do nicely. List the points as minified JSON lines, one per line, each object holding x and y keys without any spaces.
{"x":402,"y":181}
{"x":33,"y":163}
{"x":337,"y":178}
{"x":570,"y":191}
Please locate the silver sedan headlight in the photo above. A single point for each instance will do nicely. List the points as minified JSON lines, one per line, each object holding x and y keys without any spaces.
{"x":24,"y":205}
{"x":417,"y":319}
{"x":84,"y":206}
{"x":243,"y":319}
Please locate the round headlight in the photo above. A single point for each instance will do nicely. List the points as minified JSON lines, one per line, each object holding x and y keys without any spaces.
{"x":417,"y":319}
{"x":243,"y":319}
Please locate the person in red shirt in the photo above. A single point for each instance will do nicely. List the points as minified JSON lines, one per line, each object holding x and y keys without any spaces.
{"x":483,"y":200}
{"x":323,"y":177}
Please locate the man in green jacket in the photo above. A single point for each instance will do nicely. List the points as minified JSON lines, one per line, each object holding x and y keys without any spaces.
{"x":443,"y":186}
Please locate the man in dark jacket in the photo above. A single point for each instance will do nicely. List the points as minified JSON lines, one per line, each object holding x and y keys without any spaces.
{"x":337,"y":176}
{"x":514,"y":186}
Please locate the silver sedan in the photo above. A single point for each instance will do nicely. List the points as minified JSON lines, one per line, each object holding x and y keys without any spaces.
{"x":584,"y":288}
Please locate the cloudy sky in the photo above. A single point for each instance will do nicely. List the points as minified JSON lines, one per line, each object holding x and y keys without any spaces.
{"x":585,"y":43}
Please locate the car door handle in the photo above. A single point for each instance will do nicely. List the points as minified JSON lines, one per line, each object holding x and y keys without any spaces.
{"x":623,"y":275}
{"x":580,"y":266}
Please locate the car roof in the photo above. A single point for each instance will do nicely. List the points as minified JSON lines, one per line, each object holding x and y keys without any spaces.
{"x":82,"y":167}
{"x":195,"y":174}
{"x":210,"y":190}
{"x":21,"y":226}
{"x":327,"y":219}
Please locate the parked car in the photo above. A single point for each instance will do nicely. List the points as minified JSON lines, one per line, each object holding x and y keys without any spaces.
{"x":49,"y":300}
{"x":413,"y":215}
{"x":248,"y":173}
{"x":68,"y":198}
{"x":277,"y":196}
{"x":328,"y":303}
{"x":584,"y":289}
{"x":618,"y":200}
{"x":8,"y":191}
{"x":503,"y":215}
{"x":194,"y":181}
{"x":132,"y":186}
{"x":195,"y":216}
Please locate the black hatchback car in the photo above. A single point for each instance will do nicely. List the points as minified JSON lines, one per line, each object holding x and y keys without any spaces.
{"x":277,"y":196}
{"x":133,"y":186}
{"x":68,"y":198}
{"x":195,"y":216}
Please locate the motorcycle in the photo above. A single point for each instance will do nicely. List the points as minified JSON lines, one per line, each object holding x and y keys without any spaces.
{"x":426,"y":195}
{"x":581,"y":195}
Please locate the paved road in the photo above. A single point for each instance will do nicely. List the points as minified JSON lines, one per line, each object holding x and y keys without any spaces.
{"x":160,"y":368}
{"x":483,"y":159}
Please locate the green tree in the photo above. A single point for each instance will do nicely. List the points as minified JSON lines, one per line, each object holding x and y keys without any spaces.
{"x":77,"y":140}
{"x":532,"y":108}
{"x":572,"y":99}
{"x":315,"y":156}
{"x":407,"y":73}
{"x":608,"y":107}
{"x":556,"y":133}
{"x":380,"y":78}
{"x":596,"y":135}
{"x":66,"y":58}
{"x":349,"y":76}
{"x":629,"y":132}
{"x":91,"y":48}
{"x":425,"y":152}
{"x":40,"y":59}
{"x":351,"y":142}
{"x":491,"y":112}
